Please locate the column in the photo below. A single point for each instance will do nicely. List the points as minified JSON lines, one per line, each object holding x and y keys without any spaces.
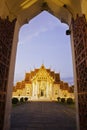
{"x":47,"y":90}
{"x":33,"y":90}
{"x":50,"y":90}
{"x":6,"y":40}
{"x":37,"y":84}
{"x":79,"y":35}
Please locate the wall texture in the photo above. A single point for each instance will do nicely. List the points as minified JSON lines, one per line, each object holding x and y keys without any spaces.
{"x":80,"y":48}
{"x":6,"y":38}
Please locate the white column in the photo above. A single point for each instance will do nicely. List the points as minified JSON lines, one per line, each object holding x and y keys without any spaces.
{"x":58,"y":90}
{"x":50,"y":90}
{"x":47,"y":90}
{"x":32,"y":90}
{"x":36,"y":90}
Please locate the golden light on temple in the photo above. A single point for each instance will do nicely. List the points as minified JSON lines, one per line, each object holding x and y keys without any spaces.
{"x":42,"y":84}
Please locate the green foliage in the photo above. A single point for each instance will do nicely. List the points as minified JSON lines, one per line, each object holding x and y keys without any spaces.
{"x":63,"y":100}
{"x":58,"y":98}
{"x":21,"y":99}
{"x":69,"y":101}
{"x":26,"y":99}
{"x":15,"y":100}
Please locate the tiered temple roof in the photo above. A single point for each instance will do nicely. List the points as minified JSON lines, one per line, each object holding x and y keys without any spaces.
{"x":55,"y":76}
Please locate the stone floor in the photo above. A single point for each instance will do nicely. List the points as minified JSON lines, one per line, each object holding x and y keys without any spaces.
{"x":43,"y":116}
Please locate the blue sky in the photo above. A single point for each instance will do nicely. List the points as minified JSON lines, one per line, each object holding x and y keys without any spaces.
{"x":44,"y":40}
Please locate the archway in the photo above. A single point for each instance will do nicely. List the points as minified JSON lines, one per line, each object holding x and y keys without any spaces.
{"x":43,"y":41}
{"x":69,"y":12}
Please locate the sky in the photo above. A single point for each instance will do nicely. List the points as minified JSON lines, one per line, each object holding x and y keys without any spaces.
{"x":44,"y":41}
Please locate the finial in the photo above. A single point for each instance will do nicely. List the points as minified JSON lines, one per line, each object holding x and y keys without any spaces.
{"x":42,"y":63}
{"x":42,"y":66}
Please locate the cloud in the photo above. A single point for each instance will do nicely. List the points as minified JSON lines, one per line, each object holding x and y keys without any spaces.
{"x":39,"y":31}
{"x":35,"y":30}
{"x":32,"y":35}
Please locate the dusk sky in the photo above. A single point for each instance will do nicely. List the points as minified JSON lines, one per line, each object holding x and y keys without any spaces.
{"x":44,"y":41}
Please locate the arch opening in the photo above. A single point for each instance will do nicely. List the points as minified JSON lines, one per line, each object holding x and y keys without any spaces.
{"x":52,"y":26}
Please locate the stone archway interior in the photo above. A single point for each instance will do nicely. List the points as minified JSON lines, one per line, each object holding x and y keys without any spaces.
{"x":15,"y":13}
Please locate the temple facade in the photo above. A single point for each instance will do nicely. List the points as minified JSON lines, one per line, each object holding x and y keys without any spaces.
{"x":42,"y":84}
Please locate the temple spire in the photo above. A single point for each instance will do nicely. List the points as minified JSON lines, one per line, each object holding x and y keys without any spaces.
{"x":42,"y":66}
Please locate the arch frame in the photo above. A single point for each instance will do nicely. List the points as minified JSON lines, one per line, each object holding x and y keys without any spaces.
{"x":65,"y":12}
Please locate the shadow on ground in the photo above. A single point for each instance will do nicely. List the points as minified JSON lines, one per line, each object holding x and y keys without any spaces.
{"x":43,"y":116}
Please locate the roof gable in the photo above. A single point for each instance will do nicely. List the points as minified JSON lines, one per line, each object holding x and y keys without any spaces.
{"x":43,"y":74}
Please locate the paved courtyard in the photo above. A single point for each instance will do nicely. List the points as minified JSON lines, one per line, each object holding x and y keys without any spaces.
{"x":43,"y":116}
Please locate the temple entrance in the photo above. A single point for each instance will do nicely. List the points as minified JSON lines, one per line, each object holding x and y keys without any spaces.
{"x":42,"y":93}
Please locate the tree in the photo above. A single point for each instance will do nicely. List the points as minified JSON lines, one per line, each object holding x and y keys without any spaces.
{"x":26,"y":99}
{"x":21,"y":99}
{"x":58,"y":98}
{"x":69,"y":100}
{"x":63,"y":100}
{"x":15,"y":100}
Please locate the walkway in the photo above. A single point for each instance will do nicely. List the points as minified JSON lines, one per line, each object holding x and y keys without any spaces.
{"x":43,"y":116}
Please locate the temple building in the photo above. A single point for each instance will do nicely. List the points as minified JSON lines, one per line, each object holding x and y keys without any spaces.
{"x":42,"y":84}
